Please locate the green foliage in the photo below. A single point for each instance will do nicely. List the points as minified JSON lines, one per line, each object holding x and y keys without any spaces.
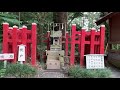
{"x":8,"y":14}
{"x":1,"y":64}
{"x":10,"y":18}
{"x":11,"y":21}
{"x":77,"y":72}
{"x":115,"y":46}
{"x":73,"y":15}
{"x":103,"y":73}
{"x":43,"y":65}
{"x":20,"y":70}
{"x":2,"y":72}
{"x":83,"y":19}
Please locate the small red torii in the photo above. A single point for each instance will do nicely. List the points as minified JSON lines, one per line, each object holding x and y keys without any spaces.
{"x":12,"y":37}
{"x":89,"y":42}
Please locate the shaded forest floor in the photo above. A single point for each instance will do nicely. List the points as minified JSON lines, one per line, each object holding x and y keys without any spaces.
{"x":42,"y":73}
{"x":62,"y":74}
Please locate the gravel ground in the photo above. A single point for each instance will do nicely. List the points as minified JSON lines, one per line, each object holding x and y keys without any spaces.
{"x":115,"y":72}
{"x":51,"y":74}
{"x":60,"y":74}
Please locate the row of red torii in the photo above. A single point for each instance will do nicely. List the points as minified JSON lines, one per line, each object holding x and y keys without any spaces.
{"x":89,"y":42}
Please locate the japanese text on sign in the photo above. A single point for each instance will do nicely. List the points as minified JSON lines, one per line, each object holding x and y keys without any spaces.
{"x":21,"y":56}
{"x":95,"y":61}
{"x":6,"y":56}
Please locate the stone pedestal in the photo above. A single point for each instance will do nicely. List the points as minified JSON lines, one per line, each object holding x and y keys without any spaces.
{"x":55,"y":59}
{"x":55,"y":55}
{"x":53,"y":64}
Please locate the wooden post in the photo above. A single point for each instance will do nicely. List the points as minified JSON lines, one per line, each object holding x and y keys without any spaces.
{"x":9,"y":43}
{"x":29,"y":46}
{"x":92,"y":41}
{"x":102,"y":38}
{"x":5,"y":40}
{"x":48,"y":40}
{"x":66,"y":44}
{"x":95,"y":46}
{"x":14,"y":38}
{"x":72,"y":53}
{"x":82,"y":47}
{"x":34,"y":39}
{"x":5,"y":37}
{"x":79,"y":45}
{"x":98,"y":46}
{"x":24,"y":40}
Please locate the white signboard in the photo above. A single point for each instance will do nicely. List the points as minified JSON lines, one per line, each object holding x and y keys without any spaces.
{"x":94,"y":61}
{"x":6,"y":56}
{"x":21,"y":53}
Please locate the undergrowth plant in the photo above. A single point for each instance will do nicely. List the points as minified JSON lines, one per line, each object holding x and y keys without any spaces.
{"x":20,"y":70}
{"x":78,"y":72}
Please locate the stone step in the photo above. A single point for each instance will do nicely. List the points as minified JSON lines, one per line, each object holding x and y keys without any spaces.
{"x":49,"y":57}
{"x":53,"y":64}
{"x":55,"y":53}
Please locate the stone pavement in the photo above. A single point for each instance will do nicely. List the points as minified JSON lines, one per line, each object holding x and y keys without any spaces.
{"x":115,"y":72}
{"x":52,"y":74}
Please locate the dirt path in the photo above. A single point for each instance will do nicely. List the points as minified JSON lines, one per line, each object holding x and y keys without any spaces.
{"x":51,"y":74}
{"x":61,"y":73}
{"x":115,"y":72}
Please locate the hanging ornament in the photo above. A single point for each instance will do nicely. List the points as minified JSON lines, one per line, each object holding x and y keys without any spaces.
{"x":62,"y":25}
{"x":55,"y":24}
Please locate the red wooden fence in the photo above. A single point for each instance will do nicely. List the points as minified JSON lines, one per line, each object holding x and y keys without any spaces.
{"x":90,"y":42}
{"x":12,"y":37}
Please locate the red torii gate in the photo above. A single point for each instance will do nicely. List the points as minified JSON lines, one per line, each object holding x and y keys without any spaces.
{"x":90,"y":42}
{"x":12,"y":37}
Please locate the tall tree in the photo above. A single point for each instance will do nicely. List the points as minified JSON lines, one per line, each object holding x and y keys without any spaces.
{"x":60,"y":17}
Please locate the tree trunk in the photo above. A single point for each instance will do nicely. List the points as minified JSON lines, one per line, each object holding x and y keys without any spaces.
{"x":61,"y":17}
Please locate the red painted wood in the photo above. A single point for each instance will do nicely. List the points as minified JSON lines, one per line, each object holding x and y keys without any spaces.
{"x":102,"y":38}
{"x":28,"y":41}
{"x":79,"y":45}
{"x":72,"y":55}
{"x":14,"y":38}
{"x":82,"y":47}
{"x":28,"y":45}
{"x":97,"y":46}
{"x":34,"y":39}
{"x":5,"y":37}
{"x":24,"y":39}
{"x":9,"y":37}
{"x":92,"y":41}
{"x":29,"y":49}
